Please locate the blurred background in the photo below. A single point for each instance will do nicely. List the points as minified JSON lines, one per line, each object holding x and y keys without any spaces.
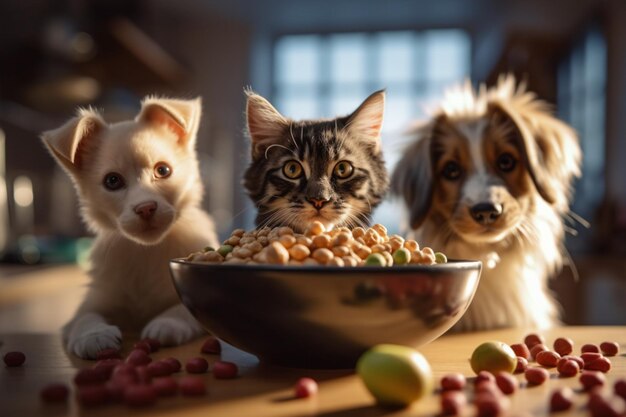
{"x":311,"y":58}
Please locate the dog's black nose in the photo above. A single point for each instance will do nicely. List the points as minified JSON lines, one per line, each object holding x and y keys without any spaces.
{"x":486,"y":213}
{"x":146,"y":210}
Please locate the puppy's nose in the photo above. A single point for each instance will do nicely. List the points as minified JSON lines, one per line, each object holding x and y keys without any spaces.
{"x":486,"y":213}
{"x":146,"y":210}
{"x":318,"y":203}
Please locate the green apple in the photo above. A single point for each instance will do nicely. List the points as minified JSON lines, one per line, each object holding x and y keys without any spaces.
{"x":395,"y":375}
{"x":493,"y":357}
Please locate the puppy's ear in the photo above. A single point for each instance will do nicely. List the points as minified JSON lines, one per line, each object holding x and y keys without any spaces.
{"x":549,"y":148}
{"x":412,"y":177}
{"x":69,"y":143}
{"x":366,"y":121}
{"x":266,"y":125}
{"x":180,"y":116}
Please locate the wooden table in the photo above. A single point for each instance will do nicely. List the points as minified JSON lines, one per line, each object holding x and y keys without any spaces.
{"x":263,"y":390}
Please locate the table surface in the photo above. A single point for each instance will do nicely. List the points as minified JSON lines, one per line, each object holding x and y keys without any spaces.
{"x":263,"y":390}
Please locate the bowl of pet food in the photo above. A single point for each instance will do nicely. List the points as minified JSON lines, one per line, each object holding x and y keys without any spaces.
{"x":319,"y":299}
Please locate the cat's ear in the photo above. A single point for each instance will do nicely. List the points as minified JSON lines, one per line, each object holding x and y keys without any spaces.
{"x":266,"y":125}
{"x":69,"y":142}
{"x":180,"y":116}
{"x":367,"y":121}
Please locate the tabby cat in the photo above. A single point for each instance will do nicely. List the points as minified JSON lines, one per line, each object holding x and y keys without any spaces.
{"x":331,"y":171}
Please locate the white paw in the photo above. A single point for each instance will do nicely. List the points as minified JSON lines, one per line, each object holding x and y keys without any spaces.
{"x":171,"y":331}
{"x":87,"y":343}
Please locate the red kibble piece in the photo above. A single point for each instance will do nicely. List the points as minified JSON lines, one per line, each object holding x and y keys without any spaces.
{"x":138,"y":357}
{"x":521,"y":366}
{"x":576,"y":359}
{"x":159,"y":368}
{"x":305,"y":387}
{"x":567,"y":368}
{"x":600,"y":406}
{"x":116,"y":387}
{"x":453,"y":382}
{"x":487,"y":386}
{"x":548,"y":358}
{"x":521,"y":349}
{"x":212,"y":346}
{"x":620,"y":388}
{"x":506,"y":382}
{"x":536,"y":376}
{"x":154,"y":344}
{"x":563,"y":346}
{"x":484,"y":376}
{"x":174,"y":364}
{"x":590,"y":379}
{"x":165,"y":386}
{"x":452,"y":403}
{"x":561,"y":399}
{"x":589,"y":347}
{"x":90,"y":376}
{"x":225,"y":370}
{"x":540,"y":347}
{"x":110,"y":353}
{"x":139,"y":395}
{"x":92,"y":395}
{"x":533,"y":339}
{"x":489,"y":405}
{"x":14,"y":359}
{"x":143,"y":345}
{"x":106,"y":366}
{"x":601,"y":364}
{"x":54,"y":393}
{"x":196,"y":366}
{"x":143,"y":375}
{"x":609,"y":348}
{"x":590,"y":357}
{"x":124,"y":370}
{"x":192,"y":386}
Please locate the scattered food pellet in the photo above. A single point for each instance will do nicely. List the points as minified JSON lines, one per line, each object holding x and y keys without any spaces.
{"x":54,"y":393}
{"x":563,"y":346}
{"x":620,"y":388}
{"x":533,"y":339}
{"x":536,"y":376}
{"x":521,"y":365}
{"x":453,"y":382}
{"x":159,"y":368}
{"x":14,"y":359}
{"x":548,"y":358}
{"x":154,"y":344}
{"x":165,"y":386}
{"x":174,"y":364}
{"x":225,"y":370}
{"x":506,"y":382}
{"x":590,"y":379}
{"x":197,"y":365}
{"x":92,"y":395}
{"x":601,"y":364}
{"x":138,"y":357}
{"x":567,"y":367}
{"x":609,"y":348}
{"x":211,"y":346}
{"x":484,"y":376}
{"x":143,"y":345}
{"x":539,"y":347}
{"x":89,"y":376}
{"x":192,"y":386}
{"x":452,"y":403}
{"x":521,"y":350}
{"x":561,"y":399}
{"x":140,"y":395}
{"x":493,"y":357}
{"x":589,"y":347}
{"x":305,"y":387}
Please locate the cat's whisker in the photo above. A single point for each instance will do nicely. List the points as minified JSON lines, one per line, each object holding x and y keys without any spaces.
{"x":279,"y":146}
{"x":292,"y":138}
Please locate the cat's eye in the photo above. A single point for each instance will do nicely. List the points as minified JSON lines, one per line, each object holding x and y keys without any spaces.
{"x":292,"y":169}
{"x":113,"y":181}
{"x":451,"y":171}
{"x":162,"y":170}
{"x":343,"y":169}
{"x":506,"y":162}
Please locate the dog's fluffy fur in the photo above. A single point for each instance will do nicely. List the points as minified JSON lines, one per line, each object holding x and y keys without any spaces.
{"x":140,"y":191}
{"x":489,"y":178}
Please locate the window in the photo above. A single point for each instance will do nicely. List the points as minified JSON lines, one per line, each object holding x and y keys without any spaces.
{"x":330,"y":75}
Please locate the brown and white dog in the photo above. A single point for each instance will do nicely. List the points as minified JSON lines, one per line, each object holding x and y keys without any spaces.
{"x":489,"y":178}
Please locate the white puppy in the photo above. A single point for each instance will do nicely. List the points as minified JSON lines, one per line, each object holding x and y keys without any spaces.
{"x":489,"y":177}
{"x":140,"y":191}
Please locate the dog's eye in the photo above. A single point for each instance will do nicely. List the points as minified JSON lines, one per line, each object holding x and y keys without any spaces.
{"x":451,"y":170}
{"x":343,"y":169}
{"x":162,"y":170}
{"x":113,"y":181}
{"x":506,"y":162}
{"x":292,"y":169}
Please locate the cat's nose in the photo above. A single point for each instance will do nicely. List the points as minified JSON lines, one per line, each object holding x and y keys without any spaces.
{"x":318,"y":203}
{"x":146,"y":209}
{"x":486,"y":213}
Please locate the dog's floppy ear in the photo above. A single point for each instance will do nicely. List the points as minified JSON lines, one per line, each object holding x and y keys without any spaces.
{"x":412,"y":177}
{"x":549,"y":149}
{"x":266,"y":125}
{"x":180,"y":116}
{"x":69,"y":142}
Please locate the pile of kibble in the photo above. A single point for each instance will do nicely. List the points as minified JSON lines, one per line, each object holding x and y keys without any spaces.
{"x":317,"y":246}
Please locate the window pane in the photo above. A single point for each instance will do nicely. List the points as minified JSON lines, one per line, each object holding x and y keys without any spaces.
{"x":297,"y":106}
{"x":348,"y":58}
{"x":345,"y":100}
{"x":396,"y":56}
{"x":446,"y":54}
{"x":298,"y":59}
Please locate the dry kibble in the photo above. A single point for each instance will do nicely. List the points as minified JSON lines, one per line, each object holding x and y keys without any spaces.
{"x":305,"y":387}
{"x":563,"y":346}
{"x":609,"y":348}
{"x":533,"y":339}
{"x":275,"y":253}
{"x":358,"y":232}
{"x":341,"y":239}
{"x":547,"y":358}
{"x":316,"y":228}
{"x":540,"y":347}
{"x":336,"y":261}
{"x":287,"y":241}
{"x":411,"y":245}
{"x":452,"y":403}
{"x":601,"y":364}
{"x":341,"y":251}
{"x":452,"y":382}
{"x":321,"y":241}
{"x":521,"y":366}
{"x":561,"y":399}
{"x":349,"y":261}
{"x":299,"y":252}
{"x":323,"y":255}
{"x":506,"y":382}
{"x":567,"y":367}
{"x":590,"y":379}
{"x":14,"y":359}
{"x":521,"y":349}
{"x":536,"y":376}
{"x":589,"y":347}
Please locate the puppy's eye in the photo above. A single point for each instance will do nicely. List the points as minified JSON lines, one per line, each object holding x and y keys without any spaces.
{"x":113,"y":181}
{"x":506,"y":162}
{"x":451,"y":170}
{"x":162,"y":170}
{"x":343,"y":169}
{"x":292,"y":169}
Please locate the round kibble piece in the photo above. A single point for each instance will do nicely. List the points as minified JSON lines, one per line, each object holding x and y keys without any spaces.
{"x":225,"y":370}
{"x":192,"y":386}
{"x":533,"y":339}
{"x":452,"y":403}
{"x":521,"y":349}
{"x":14,"y":359}
{"x":590,"y":379}
{"x":54,"y":393}
{"x":143,"y":345}
{"x":211,"y":346}
{"x":138,"y":357}
{"x":305,"y":387}
{"x":196,"y":366}
{"x":453,"y":382}
{"x":484,"y":376}
{"x":609,"y":348}
{"x":275,"y":253}
{"x":165,"y":386}
{"x":506,"y":382}
{"x":589,"y":347}
{"x":590,"y":356}
{"x":140,"y":395}
{"x":548,"y":358}
{"x":540,"y":347}
{"x":601,"y":364}
{"x":563,"y":346}
{"x":402,"y":256}
{"x":620,"y":388}
{"x":561,"y":399}
{"x":521,"y":365}
{"x":490,"y":405}
{"x":536,"y":376}
{"x":174,"y":364}
{"x":568,"y":367}
{"x":159,"y":368}
{"x":599,"y":406}
{"x":375,"y":259}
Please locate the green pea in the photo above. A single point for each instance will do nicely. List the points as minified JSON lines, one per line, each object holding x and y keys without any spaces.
{"x":440,"y":258}
{"x":225,"y":250}
{"x":209,"y":248}
{"x":402,"y":256}
{"x":375,"y":259}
